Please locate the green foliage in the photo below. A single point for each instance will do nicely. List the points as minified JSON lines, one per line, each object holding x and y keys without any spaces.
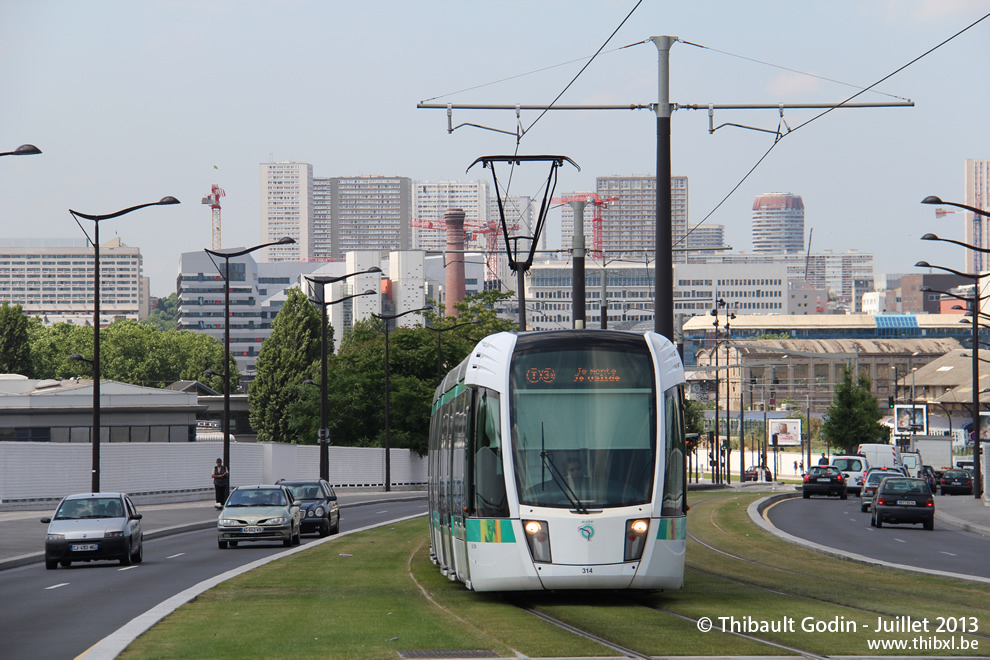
{"x":286,"y":359}
{"x":694,"y":416}
{"x":165,"y":315}
{"x":853,"y":416}
{"x":15,"y":346}
{"x":771,"y":335}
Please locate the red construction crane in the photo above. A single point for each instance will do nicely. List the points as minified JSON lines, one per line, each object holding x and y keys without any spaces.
{"x":599,"y":204}
{"x":213,"y":199}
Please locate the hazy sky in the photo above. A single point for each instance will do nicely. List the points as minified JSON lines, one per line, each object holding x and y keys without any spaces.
{"x":132,"y":101}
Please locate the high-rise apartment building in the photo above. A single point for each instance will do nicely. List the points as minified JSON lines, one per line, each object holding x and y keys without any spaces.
{"x":370,"y":213}
{"x":431,"y":199}
{"x":629,"y":224}
{"x":778,"y":224}
{"x":287,"y":209}
{"x":53,"y":279}
{"x":977,"y":194}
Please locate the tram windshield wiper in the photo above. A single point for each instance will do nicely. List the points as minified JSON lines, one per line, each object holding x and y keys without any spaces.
{"x":558,"y":478}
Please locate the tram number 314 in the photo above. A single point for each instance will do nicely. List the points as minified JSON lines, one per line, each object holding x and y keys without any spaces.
{"x":587,"y":569}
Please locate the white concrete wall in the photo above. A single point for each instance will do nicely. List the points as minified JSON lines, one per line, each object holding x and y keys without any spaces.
{"x":48,"y":470}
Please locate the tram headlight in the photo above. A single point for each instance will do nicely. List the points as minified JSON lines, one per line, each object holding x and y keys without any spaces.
{"x":538,"y":537}
{"x":636,"y":531}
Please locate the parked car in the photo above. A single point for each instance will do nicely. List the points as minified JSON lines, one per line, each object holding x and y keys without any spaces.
{"x":824,"y":480}
{"x":94,"y":526}
{"x":757,"y":474}
{"x":259,"y":513}
{"x":931,"y":478}
{"x":853,"y":468}
{"x":901,"y":500}
{"x":955,"y":482}
{"x":318,"y":506}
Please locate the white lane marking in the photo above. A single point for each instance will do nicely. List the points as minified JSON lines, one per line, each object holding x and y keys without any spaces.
{"x":900,"y":540}
{"x":126,"y":568}
{"x":951,"y":554}
{"x":174,"y":556}
{"x":377,"y":512}
{"x":56,"y":586}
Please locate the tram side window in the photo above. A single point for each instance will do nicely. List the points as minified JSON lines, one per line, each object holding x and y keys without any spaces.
{"x":673,"y":481}
{"x":489,"y":500}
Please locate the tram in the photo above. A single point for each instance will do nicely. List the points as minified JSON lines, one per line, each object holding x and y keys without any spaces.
{"x":557,"y":461}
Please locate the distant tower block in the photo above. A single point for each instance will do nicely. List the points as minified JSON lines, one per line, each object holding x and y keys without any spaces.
{"x":454,"y":220}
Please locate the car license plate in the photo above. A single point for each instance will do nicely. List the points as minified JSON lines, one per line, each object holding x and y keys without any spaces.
{"x":83,"y":547}
{"x":905,"y":502}
{"x":252,"y":530}
{"x":824,"y":481}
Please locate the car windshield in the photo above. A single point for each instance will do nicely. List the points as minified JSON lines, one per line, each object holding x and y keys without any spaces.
{"x":904,"y":487}
{"x":955,"y":474}
{"x":876,"y":477}
{"x":824,"y":471}
{"x":257,"y":497}
{"x":305,"y":491}
{"x":91,"y":507}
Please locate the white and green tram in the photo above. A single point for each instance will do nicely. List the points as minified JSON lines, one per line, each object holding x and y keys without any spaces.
{"x":557,"y":462}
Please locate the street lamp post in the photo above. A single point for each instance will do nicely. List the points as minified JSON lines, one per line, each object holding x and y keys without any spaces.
{"x":978,"y":479}
{"x":225,"y":273}
{"x":439,"y":332}
{"x":324,"y":434}
{"x":95,"y":440}
{"x":388,"y":320}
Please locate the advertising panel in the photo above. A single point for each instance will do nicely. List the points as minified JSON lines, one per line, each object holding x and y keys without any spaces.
{"x":788,"y":432}
{"x":910,"y":419}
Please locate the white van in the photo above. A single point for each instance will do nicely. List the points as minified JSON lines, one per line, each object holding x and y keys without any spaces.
{"x":878,"y":455}
{"x":912,"y":461}
{"x":854,"y":469}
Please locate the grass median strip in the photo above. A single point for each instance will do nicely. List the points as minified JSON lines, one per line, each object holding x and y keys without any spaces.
{"x":374,"y":594}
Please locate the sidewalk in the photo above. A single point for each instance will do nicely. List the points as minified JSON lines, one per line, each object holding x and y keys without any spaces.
{"x":22,"y":534}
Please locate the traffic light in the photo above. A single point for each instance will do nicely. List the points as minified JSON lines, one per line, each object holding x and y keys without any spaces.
{"x":890,"y":402}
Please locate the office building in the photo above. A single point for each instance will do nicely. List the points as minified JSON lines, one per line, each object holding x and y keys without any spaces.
{"x":778,"y":224}
{"x":53,"y":280}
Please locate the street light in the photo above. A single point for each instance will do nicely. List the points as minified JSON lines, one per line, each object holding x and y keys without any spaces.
{"x":23,"y":150}
{"x":388,"y":320}
{"x":227,"y":256}
{"x":164,"y":201}
{"x":439,"y":332}
{"x":978,"y":488}
{"x":324,"y":434}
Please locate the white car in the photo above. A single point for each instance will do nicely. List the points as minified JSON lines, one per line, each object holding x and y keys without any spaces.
{"x":91,"y":527}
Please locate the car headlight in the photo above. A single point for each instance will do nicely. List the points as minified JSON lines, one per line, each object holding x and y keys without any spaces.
{"x":111,"y":535}
{"x":55,"y":537}
{"x":229,"y":522}
{"x":275,"y":521}
{"x":319,"y":512}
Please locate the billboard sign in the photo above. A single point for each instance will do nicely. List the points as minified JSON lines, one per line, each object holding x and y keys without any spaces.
{"x":910,"y":419}
{"x":788,"y":432}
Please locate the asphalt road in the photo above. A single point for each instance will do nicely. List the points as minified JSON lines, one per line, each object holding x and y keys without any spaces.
{"x":61,"y":613}
{"x":841,"y":525}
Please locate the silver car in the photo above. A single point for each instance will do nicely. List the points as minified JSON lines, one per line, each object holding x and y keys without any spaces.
{"x":92,"y":527}
{"x":259,"y":513}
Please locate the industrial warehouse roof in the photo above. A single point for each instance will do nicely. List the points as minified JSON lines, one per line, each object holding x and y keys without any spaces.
{"x":832,"y":347}
{"x":21,"y":393}
{"x":785,"y":322}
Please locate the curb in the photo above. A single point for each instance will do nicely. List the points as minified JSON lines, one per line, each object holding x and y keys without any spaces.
{"x":757,"y":508}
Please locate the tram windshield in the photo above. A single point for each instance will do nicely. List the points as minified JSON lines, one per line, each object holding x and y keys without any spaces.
{"x":584,"y":426}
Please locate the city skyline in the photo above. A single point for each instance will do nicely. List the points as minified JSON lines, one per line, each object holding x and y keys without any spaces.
{"x":131,"y":102}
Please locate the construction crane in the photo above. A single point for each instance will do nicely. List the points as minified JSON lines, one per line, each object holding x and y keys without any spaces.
{"x":599,"y":204}
{"x":213,"y":199}
{"x":472,"y":229}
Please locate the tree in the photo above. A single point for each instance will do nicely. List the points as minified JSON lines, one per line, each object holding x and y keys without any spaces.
{"x":286,"y":359}
{"x":165,"y":316}
{"x":15,"y":345}
{"x":853,"y":417}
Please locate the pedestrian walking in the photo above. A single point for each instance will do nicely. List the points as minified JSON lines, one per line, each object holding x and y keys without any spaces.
{"x":221,"y":481}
